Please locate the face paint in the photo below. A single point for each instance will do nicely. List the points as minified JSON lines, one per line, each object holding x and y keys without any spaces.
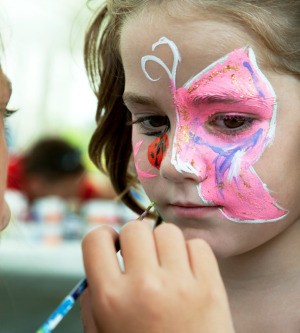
{"x":231,"y":90}
{"x":157,"y":150}
{"x":142,"y":175}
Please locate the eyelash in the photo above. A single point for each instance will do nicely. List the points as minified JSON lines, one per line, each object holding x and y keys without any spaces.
{"x":243,"y":123}
{"x":8,"y":113}
{"x":141,"y":122}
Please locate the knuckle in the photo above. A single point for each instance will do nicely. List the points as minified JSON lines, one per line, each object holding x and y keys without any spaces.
{"x":133,"y":226}
{"x":200,"y":245}
{"x":168,"y":229}
{"x":149,"y":294}
{"x":212,"y":296}
{"x":148,"y":286}
{"x":95,"y":234}
{"x":151,"y":290}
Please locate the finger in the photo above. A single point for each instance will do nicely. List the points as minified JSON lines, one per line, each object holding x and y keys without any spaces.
{"x":138,"y":247}
{"x":99,"y":256}
{"x":203,"y":261}
{"x":171,"y":248}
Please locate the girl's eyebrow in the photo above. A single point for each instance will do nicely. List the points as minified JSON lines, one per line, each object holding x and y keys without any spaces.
{"x":211,"y":99}
{"x":130,"y":98}
{"x":225,"y":99}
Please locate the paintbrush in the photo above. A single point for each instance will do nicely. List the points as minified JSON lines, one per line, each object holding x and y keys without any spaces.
{"x":68,"y":302}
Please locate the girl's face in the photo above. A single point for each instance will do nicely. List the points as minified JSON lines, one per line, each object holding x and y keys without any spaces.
{"x":5,"y":91}
{"x":210,"y":128}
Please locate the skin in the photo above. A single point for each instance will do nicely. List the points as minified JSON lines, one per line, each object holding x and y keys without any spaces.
{"x":258,"y":262}
{"x":5,"y":92}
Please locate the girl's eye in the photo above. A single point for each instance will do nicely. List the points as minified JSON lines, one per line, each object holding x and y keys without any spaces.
{"x":230,"y":124}
{"x":153,"y":125}
{"x":8,"y":113}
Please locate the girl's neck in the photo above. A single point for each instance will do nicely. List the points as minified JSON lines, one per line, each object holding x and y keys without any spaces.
{"x":263,"y":285}
{"x":270,"y":263}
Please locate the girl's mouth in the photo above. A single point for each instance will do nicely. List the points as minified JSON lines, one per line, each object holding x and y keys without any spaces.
{"x":188,"y":210}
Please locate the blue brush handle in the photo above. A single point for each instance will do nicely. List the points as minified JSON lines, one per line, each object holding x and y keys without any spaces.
{"x":64,"y":307}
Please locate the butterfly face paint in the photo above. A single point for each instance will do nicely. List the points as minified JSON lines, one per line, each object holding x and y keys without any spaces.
{"x":226,"y":117}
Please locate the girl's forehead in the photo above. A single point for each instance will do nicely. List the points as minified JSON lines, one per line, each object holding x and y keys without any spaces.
{"x":200,"y":42}
{"x":215,"y":30}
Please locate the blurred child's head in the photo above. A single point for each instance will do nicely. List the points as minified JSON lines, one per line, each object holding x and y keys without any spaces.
{"x":53,"y":167}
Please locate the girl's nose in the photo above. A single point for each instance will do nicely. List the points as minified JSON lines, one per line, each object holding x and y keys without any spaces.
{"x":177,"y":168}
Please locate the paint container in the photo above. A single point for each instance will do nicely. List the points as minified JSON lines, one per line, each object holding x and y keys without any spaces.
{"x":73,"y":227}
{"x":99,"y":212}
{"x":48,"y":214}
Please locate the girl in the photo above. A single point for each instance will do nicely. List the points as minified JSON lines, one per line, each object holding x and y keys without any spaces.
{"x":203,"y":96}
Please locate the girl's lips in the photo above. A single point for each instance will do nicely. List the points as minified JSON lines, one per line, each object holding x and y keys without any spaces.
{"x":193,"y":211}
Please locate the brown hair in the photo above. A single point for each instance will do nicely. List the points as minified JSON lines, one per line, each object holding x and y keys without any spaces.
{"x":275,"y":23}
{"x":53,"y":159}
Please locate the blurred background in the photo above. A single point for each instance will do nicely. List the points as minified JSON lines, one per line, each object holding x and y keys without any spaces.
{"x":43,"y":58}
{"x":40,"y":254}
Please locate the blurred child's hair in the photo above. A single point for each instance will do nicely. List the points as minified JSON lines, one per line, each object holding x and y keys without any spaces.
{"x":274,"y":24}
{"x":53,"y":159}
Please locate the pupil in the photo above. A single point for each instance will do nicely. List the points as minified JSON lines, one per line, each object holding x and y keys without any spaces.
{"x":234,"y":122}
{"x":157,"y":121}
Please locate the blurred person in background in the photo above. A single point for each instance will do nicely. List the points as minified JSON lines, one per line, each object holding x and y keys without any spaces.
{"x":5,"y":92}
{"x":53,"y":167}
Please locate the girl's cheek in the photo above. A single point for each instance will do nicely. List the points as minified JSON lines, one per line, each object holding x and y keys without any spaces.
{"x":157,"y":150}
{"x":145,"y":172}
